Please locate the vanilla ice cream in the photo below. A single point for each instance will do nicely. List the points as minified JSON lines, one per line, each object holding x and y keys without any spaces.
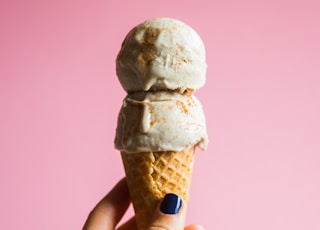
{"x":160,"y":121}
{"x":161,"y":53}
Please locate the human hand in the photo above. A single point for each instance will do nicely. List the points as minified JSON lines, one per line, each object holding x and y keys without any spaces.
{"x":109,"y":211}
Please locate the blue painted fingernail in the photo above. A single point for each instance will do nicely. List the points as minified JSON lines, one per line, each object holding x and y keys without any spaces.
{"x":171,"y":204}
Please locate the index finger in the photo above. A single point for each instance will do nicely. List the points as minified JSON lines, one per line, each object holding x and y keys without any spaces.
{"x":110,"y":209}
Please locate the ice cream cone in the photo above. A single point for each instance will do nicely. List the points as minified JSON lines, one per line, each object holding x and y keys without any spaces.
{"x":160,"y":64}
{"x":151,"y":175}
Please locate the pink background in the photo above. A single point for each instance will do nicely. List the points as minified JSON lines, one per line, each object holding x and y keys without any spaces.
{"x":59,"y":100}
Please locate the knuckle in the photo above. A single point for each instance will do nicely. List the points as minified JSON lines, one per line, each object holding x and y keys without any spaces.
{"x":158,"y":227}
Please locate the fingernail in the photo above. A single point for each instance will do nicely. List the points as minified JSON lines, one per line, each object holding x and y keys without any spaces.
{"x":171,"y":204}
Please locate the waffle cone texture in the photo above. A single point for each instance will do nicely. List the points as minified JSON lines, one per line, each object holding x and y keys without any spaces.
{"x":151,"y":175}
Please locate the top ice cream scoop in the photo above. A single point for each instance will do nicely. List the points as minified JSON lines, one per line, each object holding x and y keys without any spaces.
{"x":161,"y":54}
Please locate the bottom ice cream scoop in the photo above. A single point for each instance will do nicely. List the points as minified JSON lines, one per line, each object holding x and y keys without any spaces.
{"x":160,"y":121}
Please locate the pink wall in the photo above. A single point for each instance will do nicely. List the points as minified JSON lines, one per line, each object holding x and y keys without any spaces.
{"x":59,"y":99}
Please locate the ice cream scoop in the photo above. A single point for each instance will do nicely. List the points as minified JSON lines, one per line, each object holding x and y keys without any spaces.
{"x":160,"y":121}
{"x":161,"y":53}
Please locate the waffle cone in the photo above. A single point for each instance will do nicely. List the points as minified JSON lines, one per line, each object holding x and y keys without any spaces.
{"x":151,"y":175}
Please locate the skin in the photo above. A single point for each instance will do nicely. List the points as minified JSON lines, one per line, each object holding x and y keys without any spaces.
{"x":109,"y":211}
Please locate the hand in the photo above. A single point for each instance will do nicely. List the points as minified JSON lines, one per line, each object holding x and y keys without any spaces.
{"x":109,"y":211}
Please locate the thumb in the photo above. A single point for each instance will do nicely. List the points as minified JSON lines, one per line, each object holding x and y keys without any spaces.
{"x":170,"y":215}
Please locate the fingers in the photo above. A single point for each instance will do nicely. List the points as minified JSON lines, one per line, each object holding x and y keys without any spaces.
{"x":170,"y":215}
{"x":110,"y":209}
{"x":194,"y":227}
{"x":129,"y":225}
